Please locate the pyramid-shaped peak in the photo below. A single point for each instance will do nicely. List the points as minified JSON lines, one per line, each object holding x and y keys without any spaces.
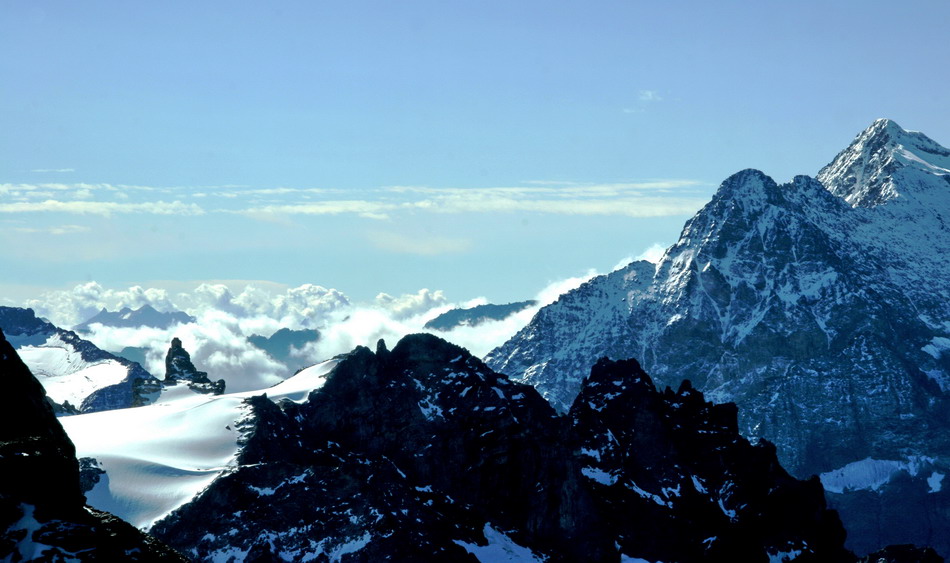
{"x":862,"y":174}
{"x":884,"y":125}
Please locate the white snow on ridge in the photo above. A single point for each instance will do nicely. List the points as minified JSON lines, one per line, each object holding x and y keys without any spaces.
{"x":156,"y":457}
{"x":160,"y":456}
{"x":872,"y":474}
{"x":500,"y":548}
{"x":935,"y":481}
{"x":599,"y":475}
{"x":938,"y":346}
{"x":298,"y":387}
{"x":65,"y":375}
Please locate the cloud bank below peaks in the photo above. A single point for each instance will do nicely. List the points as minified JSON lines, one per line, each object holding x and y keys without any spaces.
{"x":225,"y":317}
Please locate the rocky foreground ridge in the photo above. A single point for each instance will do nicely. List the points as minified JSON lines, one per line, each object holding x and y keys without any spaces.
{"x":43,"y":516}
{"x":424,"y":453}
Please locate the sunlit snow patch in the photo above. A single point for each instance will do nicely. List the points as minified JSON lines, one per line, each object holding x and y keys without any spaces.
{"x":64,"y":373}
{"x":935,"y":481}
{"x":872,"y":474}
{"x":160,"y":456}
{"x":500,"y":548}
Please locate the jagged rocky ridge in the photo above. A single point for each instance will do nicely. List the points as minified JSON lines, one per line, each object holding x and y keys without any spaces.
{"x":423,"y":453}
{"x":814,"y":305}
{"x":43,"y":516}
{"x":179,"y":368}
{"x":55,"y":355}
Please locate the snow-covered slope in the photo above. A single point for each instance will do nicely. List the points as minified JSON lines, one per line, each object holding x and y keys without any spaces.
{"x":74,"y":370}
{"x":65,"y":374}
{"x":157,"y":457}
{"x":820,"y":308}
{"x":899,"y":184}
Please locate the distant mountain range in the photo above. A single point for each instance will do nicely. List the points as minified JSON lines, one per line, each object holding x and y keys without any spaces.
{"x":283,"y":344}
{"x":474,"y":316}
{"x":820,"y":307}
{"x":146,"y":315}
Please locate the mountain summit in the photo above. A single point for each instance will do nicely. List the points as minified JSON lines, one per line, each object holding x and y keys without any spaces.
{"x":875,"y":168}
{"x":813,"y":305}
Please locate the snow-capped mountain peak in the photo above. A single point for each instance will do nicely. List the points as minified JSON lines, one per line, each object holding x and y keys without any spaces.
{"x":819,"y":306}
{"x":863,"y":173}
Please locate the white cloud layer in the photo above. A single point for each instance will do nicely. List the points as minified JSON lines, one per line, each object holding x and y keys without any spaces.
{"x":633,"y":199}
{"x":103,"y":208}
{"x":217,"y":341}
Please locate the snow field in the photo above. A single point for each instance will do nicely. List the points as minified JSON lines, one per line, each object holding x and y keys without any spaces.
{"x":160,"y":456}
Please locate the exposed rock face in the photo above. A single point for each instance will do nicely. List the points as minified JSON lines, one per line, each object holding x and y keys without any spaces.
{"x":41,"y":504}
{"x":60,"y":358}
{"x":178,"y":367}
{"x":812,"y":305}
{"x":902,"y":554}
{"x":423,"y":453}
{"x":680,"y":484}
{"x":474,"y":316}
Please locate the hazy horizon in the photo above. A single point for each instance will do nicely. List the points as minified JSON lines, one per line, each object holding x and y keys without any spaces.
{"x":484,"y":151}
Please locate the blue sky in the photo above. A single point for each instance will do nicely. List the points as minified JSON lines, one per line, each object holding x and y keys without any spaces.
{"x":482,"y":148}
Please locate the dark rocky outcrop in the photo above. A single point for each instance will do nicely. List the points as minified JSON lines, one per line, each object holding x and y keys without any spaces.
{"x":423,"y":453}
{"x":681,"y":484}
{"x":90,"y":473}
{"x":903,"y":553}
{"x":179,"y":368}
{"x":42,"y":507}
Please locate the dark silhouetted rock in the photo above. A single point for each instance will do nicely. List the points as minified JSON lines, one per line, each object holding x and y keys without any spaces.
{"x":42,"y":508}
{"x":423,"y":453}
{"x":178,"y":368}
